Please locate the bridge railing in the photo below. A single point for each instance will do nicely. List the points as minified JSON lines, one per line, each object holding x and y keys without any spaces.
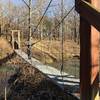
{"x":89,"y":11}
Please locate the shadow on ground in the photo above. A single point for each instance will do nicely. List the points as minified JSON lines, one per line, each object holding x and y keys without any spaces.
{"x":7,"y":58}
{"x":25,"y":85}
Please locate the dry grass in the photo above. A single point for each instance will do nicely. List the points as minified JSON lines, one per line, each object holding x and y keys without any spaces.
{"x":5,"y":48}
{"x":49,"y":52}
{"x":53,"y":49}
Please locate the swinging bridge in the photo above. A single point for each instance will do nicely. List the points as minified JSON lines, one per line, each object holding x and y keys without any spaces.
{"x":89,"y":11}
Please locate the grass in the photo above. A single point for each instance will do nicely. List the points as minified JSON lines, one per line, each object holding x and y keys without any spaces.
{"x":6,"y":69}
{"x":71,"y":67}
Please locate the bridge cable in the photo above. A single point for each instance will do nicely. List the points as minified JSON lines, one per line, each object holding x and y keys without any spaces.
{"x":21,"y":21}
{"x":62,"y":41}
{"x":26,"y":3}
{"x":42,"y":16}
{"x":56,"y":25}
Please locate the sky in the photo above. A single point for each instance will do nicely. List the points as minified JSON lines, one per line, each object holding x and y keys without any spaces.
{"x":67,"y":4}
{"x":17,"y":2}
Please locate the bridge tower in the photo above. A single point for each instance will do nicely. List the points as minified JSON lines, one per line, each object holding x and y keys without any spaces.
{"x":16,"y":39}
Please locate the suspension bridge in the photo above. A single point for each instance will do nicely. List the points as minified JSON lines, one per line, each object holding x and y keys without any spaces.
{"x":59,"y":77}
{"x":87,"y":83}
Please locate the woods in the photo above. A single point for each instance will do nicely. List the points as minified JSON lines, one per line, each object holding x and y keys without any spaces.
{"x":15,"y":16}
{"x":47,"y":46}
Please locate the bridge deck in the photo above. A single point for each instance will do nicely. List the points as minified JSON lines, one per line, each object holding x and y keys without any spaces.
{"x":51,"y":72}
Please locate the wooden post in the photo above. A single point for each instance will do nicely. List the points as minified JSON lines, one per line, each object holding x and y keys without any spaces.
{"x":12,"y":38}
{"x":95,"y":41}
{"x":18,"y":38}
{"x":19,"y":43}
{"x":89,"y":58}
{"x":5,"y":93}
{"x":6,"y":86}
{"x":30,"y":32}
